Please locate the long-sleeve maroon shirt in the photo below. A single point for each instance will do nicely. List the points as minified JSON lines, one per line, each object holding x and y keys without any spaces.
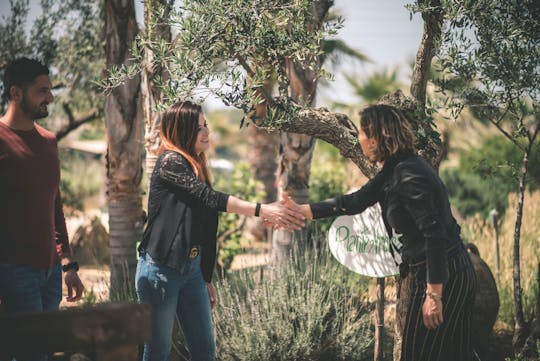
{"x":31,"y":216}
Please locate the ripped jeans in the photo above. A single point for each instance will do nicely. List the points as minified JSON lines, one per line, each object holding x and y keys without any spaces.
{"x":173,"y":294}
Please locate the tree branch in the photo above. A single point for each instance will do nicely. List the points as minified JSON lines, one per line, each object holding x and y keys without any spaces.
{"x":251,"y":73}
{"x":506,"y":134}
{"x":433,"y":19}
{"x":239,"y":225}
{"x":535,"y":132}
{"x":74,"y":123}
{"x":334,"y":128}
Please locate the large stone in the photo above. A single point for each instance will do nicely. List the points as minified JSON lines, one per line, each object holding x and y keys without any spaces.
{"x":486,"y":304}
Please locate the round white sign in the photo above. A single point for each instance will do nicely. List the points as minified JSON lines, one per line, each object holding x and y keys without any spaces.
{"x":361,"y":243}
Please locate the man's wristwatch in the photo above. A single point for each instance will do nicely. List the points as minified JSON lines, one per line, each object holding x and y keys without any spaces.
{"x":70,"y":266}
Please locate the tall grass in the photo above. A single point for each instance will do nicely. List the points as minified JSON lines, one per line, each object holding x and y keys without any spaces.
{"x":303,"y":310}
{"x":480,"y":232}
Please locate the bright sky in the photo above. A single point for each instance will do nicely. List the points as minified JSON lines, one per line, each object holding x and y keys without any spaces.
{"x":381,"y":29}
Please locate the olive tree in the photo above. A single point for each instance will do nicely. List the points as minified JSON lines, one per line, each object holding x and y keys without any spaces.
{"x":491,"y":56}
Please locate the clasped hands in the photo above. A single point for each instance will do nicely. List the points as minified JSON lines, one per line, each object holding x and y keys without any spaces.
{"x":284,"y":214}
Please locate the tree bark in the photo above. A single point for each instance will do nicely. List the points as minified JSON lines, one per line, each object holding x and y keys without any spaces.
{"x":334,"y":128}
{"x":521,"y":328}
{"x":152,"y":74}
{"x":433,"y":20}
{"x":379,"y":318}
{"x":295,"y":149}
{"x":123,"y":119}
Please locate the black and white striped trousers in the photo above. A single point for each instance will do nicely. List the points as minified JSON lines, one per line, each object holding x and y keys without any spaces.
{"x":451,"y":341}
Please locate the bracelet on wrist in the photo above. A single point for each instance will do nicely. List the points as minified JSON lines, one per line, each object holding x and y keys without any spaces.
{"x":70,"y":266}
{"x":257,"y":210}
{"x":434,"y":295}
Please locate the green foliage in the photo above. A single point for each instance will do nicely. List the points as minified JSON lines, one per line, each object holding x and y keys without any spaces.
{"x":68,"y":37}
{"x":487,"y":175}
{"x":490,"y":61}
{"x":89,"y":299}
{"x":229,"y":48}
{"x":80,"y":179}
{"x":499,"y":158}
{"x":93,"y":131}
{"x":240,"y":183}
{"x":304,"y":310}
{"x":493,"y":46}
{"x":470,"y":193}
{"x":327,"y":179}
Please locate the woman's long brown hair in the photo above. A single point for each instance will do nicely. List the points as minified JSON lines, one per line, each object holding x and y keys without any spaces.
{"x":179,"y":130}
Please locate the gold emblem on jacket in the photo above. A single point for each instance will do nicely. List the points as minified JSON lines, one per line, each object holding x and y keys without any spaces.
{"x":194,"y":252}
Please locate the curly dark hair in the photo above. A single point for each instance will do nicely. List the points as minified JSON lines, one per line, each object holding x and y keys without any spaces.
{"x":390,"y":128}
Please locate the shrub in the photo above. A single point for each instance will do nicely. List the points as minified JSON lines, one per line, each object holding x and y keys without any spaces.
{"x":485,"y":176}
{"x":303,"y":310}
{"x":326,"y":181}
{"x":471,"y":193}
{"x":238,"y":182}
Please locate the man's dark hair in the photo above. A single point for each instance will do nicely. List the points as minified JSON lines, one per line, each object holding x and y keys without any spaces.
{"x":21,"y":72}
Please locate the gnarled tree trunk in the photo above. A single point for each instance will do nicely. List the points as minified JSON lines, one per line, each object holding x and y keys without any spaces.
{"x":123,"y":119}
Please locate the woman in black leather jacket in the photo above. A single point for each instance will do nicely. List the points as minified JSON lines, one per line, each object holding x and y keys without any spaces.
{"x":178,"y":251}
{"x":415,"y":206}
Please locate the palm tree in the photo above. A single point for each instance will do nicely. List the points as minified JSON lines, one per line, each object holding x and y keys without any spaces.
{"x":153,"y":73}
{"x":376,"y":85}
{"x":123,"y":119}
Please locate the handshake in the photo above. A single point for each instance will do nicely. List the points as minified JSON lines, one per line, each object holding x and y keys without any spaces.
{"x":285,"y":214}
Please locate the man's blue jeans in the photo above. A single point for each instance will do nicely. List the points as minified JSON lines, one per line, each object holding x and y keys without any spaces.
{"x":25,"y":289}
{"x":174,"y":294}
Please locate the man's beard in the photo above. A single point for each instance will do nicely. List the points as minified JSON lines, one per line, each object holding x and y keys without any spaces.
{"x":33,"y":111}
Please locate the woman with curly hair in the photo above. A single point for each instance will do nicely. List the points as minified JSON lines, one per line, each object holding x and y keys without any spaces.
{"x":415,"y":207}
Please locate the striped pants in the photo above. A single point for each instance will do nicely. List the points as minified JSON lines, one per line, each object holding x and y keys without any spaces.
{"x":451,"y":341}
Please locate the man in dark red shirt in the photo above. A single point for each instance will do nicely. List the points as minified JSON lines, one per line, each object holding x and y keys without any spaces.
{"x":34,"y":247}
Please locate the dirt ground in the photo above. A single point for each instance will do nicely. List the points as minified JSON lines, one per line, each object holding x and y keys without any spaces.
{"x":95,"y":281}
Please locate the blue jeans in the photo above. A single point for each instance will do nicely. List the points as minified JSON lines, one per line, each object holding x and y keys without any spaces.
{"x":25,"y":289}
{"x":172,"y":293}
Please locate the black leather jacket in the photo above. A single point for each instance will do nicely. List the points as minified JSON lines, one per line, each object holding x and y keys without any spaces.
{"x":182,"y":212}
{"x":414,"y":204}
